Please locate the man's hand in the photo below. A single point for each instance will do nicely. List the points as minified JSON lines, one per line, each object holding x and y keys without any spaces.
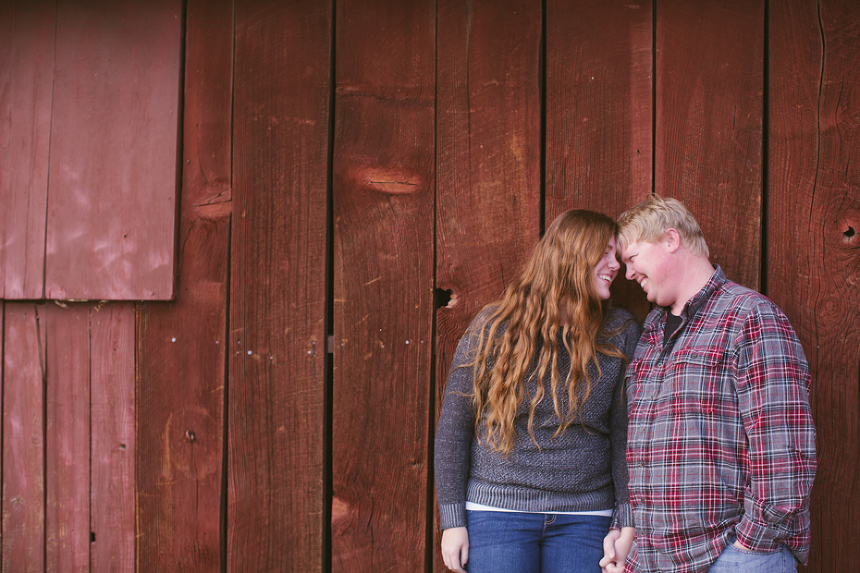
{"x":455,"y":548}
{"x":616,"y":546}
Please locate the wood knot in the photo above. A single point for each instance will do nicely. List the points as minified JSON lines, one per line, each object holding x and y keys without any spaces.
{"x":340,"y":509}
{"x":848,"y":227}
{"x":388,"y":181}
{"x":444,"y":298}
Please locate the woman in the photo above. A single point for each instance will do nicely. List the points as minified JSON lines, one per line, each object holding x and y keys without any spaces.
{"x":532,"y":433}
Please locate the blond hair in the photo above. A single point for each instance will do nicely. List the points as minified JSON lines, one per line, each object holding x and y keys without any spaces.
{"x":559,"y":274}
{"x":649,"y":220}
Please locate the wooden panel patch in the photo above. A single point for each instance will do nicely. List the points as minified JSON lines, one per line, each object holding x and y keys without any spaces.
{"x":113,"y":441}
{"x":68,"y":437}
{"x":23,"y":438}
{"x":114,"y":141}
{"x":26,"y":76}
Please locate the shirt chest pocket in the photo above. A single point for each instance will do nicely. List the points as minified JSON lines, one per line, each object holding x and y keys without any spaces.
{"x":695,"y":382}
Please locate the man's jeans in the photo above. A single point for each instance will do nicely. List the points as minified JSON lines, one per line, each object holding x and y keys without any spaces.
{"x":506,"y":542}
{"x":734,"y":560}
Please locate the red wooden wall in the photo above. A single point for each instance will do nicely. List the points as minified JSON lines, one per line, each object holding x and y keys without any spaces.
{"x":357,"y":179}
{"x":813,"y":247}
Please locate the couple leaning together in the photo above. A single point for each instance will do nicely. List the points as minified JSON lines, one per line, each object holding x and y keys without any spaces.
{"x":572,"y":440}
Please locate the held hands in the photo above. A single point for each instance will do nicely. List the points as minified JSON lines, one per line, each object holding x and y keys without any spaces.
{"x":616,"y":546}
{"x":455,"y":548}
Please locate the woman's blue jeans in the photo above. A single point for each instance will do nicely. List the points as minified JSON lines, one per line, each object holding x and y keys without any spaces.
{"x":506,"y":542}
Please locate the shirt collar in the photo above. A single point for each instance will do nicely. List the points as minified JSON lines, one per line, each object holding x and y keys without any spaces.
{"x":693,"y":305}
{"x":717,"y":280}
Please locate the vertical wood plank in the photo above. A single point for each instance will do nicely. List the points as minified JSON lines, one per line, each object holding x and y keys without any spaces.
{"x":488,"y":164}
{"x":181,"y":346}
{"x":383,"y":187}
{"x":26,"y":77}
{"x":114,"y":142}
{"x":23,"y":439}
{"x":709,"y":74}
{"x":598,"y":105}
{"x":112,"y":441}
{"x":67,"y":452}
{"x":277,"y":295}
{"x":813,"y":255}
{"x":599,"y":113}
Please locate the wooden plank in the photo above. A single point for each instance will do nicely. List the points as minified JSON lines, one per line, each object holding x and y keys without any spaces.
{"x":181,"y":346}
{"x":23,"y":439}
{"x":598,"y":105}
{"x":67,"y":452}
{"x":488,"y":163}
{"x":277,"y":294}
{"x":114,"y":143}
{"x":383,"y":195}
{"x":709,"y":73}
{"x":813,"y":254}
{"x":26,"y":76}
{"x":599,"y":113}
{"x":112,"y":441}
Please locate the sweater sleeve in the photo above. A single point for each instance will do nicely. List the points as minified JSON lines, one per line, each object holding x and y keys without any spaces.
{"x":623,"y":514}
{"x":454,"y":434}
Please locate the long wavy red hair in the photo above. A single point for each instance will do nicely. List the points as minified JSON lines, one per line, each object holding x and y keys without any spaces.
{"x":557,"y":281}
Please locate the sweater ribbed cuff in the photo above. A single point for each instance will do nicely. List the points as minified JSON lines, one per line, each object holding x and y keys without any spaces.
{"x":452,"y":515}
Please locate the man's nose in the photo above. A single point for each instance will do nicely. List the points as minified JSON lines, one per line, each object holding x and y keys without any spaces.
{"x":629,"y":273}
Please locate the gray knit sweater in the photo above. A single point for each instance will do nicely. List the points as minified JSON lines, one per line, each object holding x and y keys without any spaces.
{"x":582,"y":469}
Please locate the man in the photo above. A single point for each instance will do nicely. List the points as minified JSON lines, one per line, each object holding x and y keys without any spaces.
{"x":721,"y":442}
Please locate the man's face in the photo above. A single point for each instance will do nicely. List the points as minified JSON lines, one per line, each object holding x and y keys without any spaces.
{"x":648,"y":264}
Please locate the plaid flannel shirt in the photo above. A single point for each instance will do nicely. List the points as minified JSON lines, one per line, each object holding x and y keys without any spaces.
{"x":721,"y":441}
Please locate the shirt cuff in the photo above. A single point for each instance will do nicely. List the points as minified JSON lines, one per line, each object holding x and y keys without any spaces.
{"x":452,"y":515}
{"x":759,"y":536}
{"x":622,"y":516}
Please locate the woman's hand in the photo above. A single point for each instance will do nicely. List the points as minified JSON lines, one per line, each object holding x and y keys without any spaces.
{"x":616,"y":546}
{"x":455,"y":548}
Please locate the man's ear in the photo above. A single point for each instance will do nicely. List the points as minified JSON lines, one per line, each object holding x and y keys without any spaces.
{"x":672,"y":239}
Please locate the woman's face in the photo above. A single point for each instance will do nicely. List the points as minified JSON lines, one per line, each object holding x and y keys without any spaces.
{"x":606,"y":270}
